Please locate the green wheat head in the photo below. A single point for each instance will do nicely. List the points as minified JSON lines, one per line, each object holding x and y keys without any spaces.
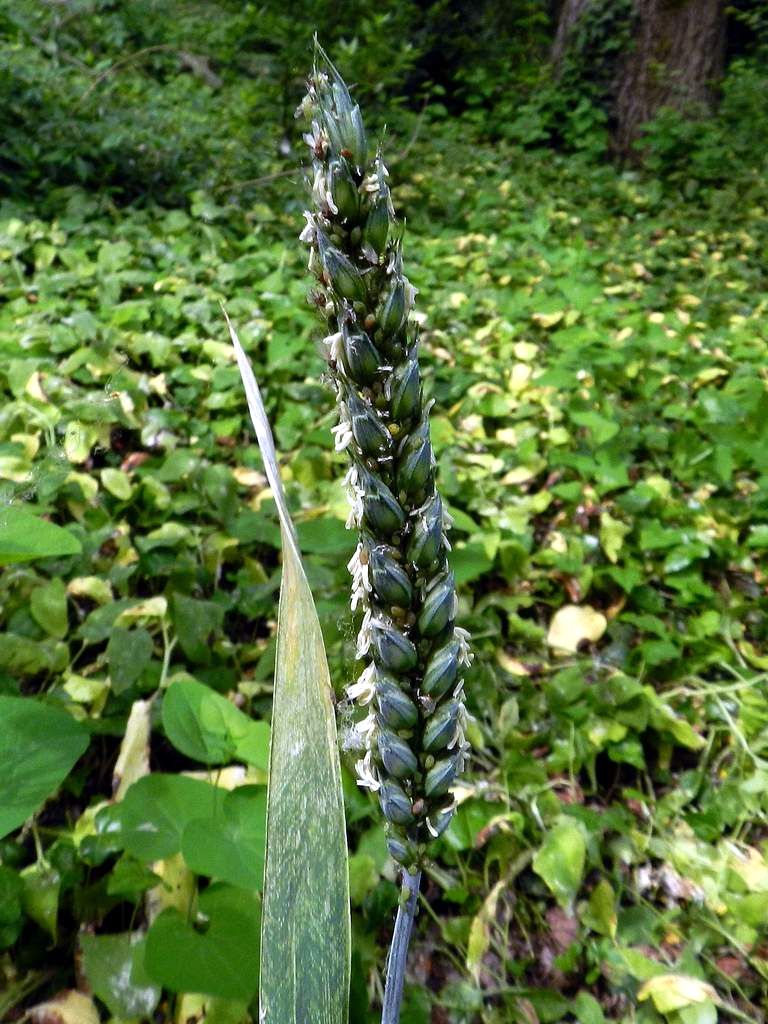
{"x":414,"y":731}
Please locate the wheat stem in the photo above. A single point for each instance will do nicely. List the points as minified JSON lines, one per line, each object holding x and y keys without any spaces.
{"x":398,"y":951}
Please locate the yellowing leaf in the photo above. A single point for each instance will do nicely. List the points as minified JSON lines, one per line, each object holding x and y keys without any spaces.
{"x":305,"y":941}
{"x":518,"y":379}
{"x":518,"y":475}
{"x":79,"y":438}
{"x":752,"y":867}
{"x":676,"y":991}
{"x":547,"y":320}
{"x":660,"y":484}
{"x":67,"y":1008}
{"x":117,"y":483}
{"x":152,"y":608}
{"x":34,"y":387}
{"x":86,"y":690}
{"x":525,"y":351}
{"x":249,"y":477}
{"x":480,"y":930}
{"x":94,"y":587}
{"x":612,"y":534}
{"x":133,"y":760}
{"x":176,"y":889}
{"x":572,"y":625}
{"x":510,"y":664}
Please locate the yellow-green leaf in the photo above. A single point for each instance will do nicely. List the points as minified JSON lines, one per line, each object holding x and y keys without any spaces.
{"x":612,"y":534}
{"x":117,"y":482}
{"x":133,"y":760}
{"x":305,"y":938}
{"x":66,"y":1008}
{"x":676,"y":991}
{"x":572,"y":625}
{"x":481,"y":929}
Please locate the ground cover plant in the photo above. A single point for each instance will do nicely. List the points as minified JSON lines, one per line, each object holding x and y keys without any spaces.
{"x":595,"y":342}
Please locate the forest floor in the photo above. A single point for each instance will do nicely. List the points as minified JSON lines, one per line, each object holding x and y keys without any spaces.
{"x":597,"y":349}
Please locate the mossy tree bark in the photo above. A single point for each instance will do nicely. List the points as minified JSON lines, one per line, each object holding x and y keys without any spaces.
{"x":675,"y":59}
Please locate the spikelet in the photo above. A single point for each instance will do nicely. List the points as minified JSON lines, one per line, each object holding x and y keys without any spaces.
{"x":414,"y":731}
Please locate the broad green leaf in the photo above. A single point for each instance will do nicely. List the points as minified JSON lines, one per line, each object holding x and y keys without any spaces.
{"x":207,"y":727}
{"x":156,"y":809}
{"x":11,"y":912}
{"x":24,"y":536}
{"x":114,"y":967}
{"x":229,"y":845}
{"x":194,"y":622}
{"x":218,"y":954}
{"x":600,"y":912}
{"x":129,"y":652}
{"x":33,"y":767}
{"x":587,"y":1009}
{"x":48,"y":605}
{"x":560,"y":860}
{"x":117,"y":483}
{"x":24,"y":657}
{"x":40,"y":898}
{"x":306,"y":945}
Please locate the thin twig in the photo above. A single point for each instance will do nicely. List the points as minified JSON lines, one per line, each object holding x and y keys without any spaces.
{"x":250,"y":182}
{"x":412,"y":141}
{"x":398,"y":951}
{"x":128,"y":59}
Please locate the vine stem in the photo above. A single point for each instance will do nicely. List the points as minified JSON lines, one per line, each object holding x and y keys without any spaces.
{"x":398,"y":951}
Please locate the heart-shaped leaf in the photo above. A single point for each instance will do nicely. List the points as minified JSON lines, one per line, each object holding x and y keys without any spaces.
{"x":218,"y":954}
{"x":33,"y":767}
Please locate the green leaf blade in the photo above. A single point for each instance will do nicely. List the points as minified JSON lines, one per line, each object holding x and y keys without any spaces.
{"x":33,"y":766}
{"x":305,"y":941}
{"x":24,"y":537}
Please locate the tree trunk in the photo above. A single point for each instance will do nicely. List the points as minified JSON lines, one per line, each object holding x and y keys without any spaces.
{"x":676,"y":61}
{"x":569,"y":14}
{"x":675,"y":57}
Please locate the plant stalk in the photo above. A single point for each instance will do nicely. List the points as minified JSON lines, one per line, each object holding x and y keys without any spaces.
{"x":398,"y":951}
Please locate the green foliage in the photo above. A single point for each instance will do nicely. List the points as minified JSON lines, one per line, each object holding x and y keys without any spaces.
{"x":693,"y":153}
{"x":220,"y":957}
{"x":24,"y":537}
{"x":33,"y":768}
{"x":569,"y":105}
{"x":595,"y":341}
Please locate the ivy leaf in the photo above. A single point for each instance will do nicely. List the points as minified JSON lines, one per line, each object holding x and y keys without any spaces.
{"x":217,"y":954}
{"x":560,"y":861}
{"x":129,"y":651}
{"x":207,"y":727}
{"x":230,"y":845}
{"x":24,"y":537}
{"x":151,"y":819}
{"x":33,"y":767}
{"x":114,"y":967}
{"x":194,"y":622}
{"x":48,"y":605}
